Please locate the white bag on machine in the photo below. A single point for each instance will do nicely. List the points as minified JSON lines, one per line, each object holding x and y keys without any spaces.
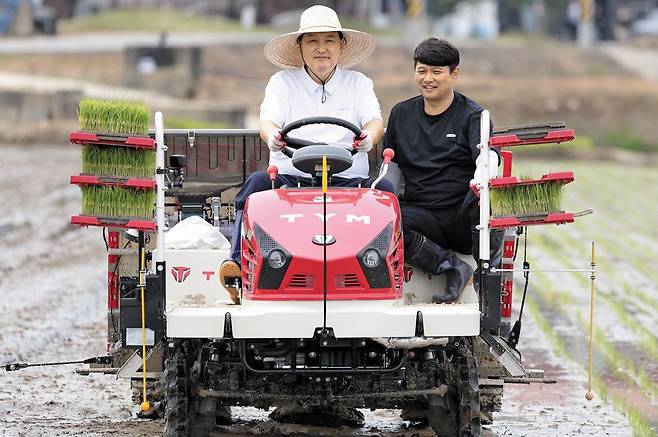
{"x":195,"y":233}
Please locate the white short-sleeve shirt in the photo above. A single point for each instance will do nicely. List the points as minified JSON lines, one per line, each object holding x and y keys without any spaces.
{"x":291,"y":95}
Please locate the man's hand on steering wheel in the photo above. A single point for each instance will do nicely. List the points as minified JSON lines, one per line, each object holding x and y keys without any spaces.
{"x":292,"y":143}
{"x":363,"y":142}
{"x":275,"y":141}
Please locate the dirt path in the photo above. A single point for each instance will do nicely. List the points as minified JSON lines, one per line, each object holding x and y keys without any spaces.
{"x":53,"y":308}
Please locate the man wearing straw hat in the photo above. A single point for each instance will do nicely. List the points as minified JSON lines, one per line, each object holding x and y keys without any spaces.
{"x":314,"y":83}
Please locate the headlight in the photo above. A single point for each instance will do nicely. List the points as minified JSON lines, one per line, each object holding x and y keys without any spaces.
{"x":276,"y":259}
{"x":371,"y":258}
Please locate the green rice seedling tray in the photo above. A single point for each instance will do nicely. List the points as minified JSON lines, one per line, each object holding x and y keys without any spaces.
{"x":117,"y":202}
{"x":108,"y":139}
{"x":106,"y":160}
{"x":115,"y":116}
{"x":112,"y":222}
{"x":525,"y":202}
{"x":113,"y":181}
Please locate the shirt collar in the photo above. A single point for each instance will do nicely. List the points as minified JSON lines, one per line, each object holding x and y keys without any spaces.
{"x":313,"y":87}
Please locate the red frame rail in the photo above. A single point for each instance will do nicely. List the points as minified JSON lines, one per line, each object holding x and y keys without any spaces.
{"x":553,"y":218}
{"x":114,"y":181}
{"x":136,"y":142}
{"x":510,"y":181}
{"x":112,"y":222}
{"x":550,"y":137}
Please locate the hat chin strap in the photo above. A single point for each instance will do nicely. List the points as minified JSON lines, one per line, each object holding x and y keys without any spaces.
{"x":322,"y":81}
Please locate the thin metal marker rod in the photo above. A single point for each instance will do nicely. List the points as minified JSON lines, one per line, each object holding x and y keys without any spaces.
{"x":324,"y":241}
{"x":17,"y":366}
{"x":324,"y":261}
{"x":142,"y":285}
{"x":495,"y":270}
{"x":589,"y":395}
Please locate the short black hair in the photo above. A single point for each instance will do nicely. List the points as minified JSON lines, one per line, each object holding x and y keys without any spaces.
{"x":437,"y":52}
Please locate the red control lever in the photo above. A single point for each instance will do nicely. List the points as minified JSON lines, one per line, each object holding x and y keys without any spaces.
{"x":388,"y":155}
{"x":272,"y":171}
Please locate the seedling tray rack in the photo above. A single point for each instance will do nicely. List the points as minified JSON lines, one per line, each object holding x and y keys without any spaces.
{"x":107,"y":139}
{"x":549,"y":133}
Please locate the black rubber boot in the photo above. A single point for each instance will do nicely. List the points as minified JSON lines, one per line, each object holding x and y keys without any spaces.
{"x":496,"y":238}
{"x":432,"y":258}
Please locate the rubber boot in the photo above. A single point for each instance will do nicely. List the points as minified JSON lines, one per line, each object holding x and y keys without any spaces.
{"x":496,"y":238}
{"x":228,"y":273}
{"x":433,"y":259}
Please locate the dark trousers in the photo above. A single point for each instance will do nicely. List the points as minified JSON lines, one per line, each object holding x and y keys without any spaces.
{"x":260,"y":181}
{"x":451,"y":227}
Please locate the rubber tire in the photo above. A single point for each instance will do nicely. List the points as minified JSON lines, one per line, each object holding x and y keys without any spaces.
{"x":176,"y":395}
{"x":186,"y":414}
{"x":443,"y":414}
{"x":457,"y":412}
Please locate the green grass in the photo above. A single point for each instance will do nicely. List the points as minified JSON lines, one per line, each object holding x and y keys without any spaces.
{"x":113,"y":116}
{"x":622,"y":228}
{"x":639,"y":423}
{"x":526,"y":199}
{"x":117,"y":202}
{"x":148,"y":20}
{"x":102,"y":160}
{"x":648,"y":342}
{"x":627,"y":140}
{"x":618,"y":363}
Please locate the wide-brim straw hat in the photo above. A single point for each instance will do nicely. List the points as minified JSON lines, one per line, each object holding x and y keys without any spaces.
{"x":284,"y":51}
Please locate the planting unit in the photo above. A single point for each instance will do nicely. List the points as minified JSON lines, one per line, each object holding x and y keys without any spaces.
{"x":111,"y":200}
{"x":526,"y":202}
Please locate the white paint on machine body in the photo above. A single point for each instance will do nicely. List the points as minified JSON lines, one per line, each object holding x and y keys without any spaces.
{"x":197,"y":305}
{"x":193,"y":278}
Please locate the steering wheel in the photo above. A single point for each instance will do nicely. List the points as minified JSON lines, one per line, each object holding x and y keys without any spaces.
{"x":297,"y":143}
{"x":307,"y":154}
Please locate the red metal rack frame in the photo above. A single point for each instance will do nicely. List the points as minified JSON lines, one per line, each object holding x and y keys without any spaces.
{"x":136,"y":142}
{"x":115,"y":181}
{"x":510,"y":181}
{"x":112,"y":222}
{"x":554,"y":218}
{"x":550,"y":137}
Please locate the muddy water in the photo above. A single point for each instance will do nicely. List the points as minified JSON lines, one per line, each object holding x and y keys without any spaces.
{"x":52,"y":307}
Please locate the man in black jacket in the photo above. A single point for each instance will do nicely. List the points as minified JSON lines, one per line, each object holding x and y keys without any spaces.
{"x":435,"y":137}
